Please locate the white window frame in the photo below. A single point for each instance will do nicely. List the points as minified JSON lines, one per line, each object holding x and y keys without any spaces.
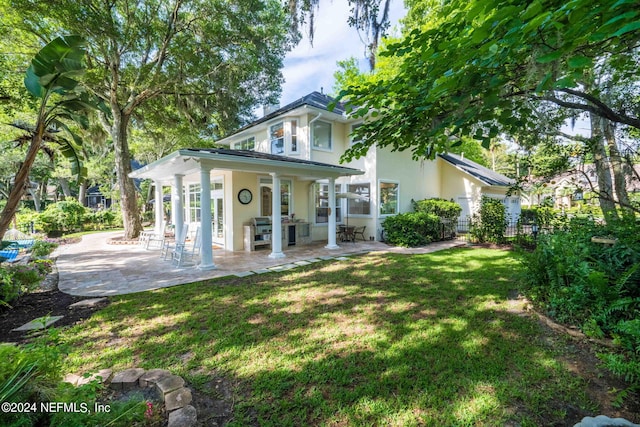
{"x":245,"y":143}
{"x":349,"y":190}
{"x":313,"y":138}
{"x":293,"y":137}
{"x":380,"y":199}
{"x":272,"y":139}
{"x":317,"y":188}
{"x":268,"y":182}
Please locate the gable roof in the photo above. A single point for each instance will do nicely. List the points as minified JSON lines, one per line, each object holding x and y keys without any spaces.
{"x":315,"y":100}
{"x":485,"y":175}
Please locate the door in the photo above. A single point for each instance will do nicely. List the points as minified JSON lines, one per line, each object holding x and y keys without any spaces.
{"x":217,"y":213}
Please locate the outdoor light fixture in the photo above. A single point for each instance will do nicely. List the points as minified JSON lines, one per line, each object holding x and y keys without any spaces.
{"x":534,"y":230}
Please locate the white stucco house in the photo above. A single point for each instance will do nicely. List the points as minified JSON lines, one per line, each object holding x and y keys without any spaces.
{"x":295,"y":150}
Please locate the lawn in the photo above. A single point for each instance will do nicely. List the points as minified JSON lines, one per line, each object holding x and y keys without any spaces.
{"x":389,"y":340}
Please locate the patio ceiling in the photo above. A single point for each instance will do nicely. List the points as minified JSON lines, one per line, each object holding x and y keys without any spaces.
{"x":189,"y":161}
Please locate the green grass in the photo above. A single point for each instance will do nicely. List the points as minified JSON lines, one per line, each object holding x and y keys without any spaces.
{"x":389,"y":340}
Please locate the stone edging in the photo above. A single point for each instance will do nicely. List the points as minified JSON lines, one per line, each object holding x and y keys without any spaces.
{"x":119,"y":241}
{"x":169,"y":388}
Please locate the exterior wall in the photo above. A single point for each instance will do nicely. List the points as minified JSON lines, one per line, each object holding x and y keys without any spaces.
{"x":460,"y":187}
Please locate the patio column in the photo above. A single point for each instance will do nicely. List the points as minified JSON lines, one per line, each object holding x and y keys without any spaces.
{"x":331,"y":226}
{"x":206,"y":252}
{"x":159,"y":208}
{"x":177,"y":210}
{"x":276,"y":218}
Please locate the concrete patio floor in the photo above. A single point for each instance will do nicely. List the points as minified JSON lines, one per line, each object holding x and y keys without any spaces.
{"x":95,"y":268}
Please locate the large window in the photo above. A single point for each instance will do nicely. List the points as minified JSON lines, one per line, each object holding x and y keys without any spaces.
{"x":322,"y":204}
{"x":245,"y":144}
{"x":266,"y":197}
{"x":388,"y":198}
{"x":194,"y":203}
{"x":321,"y":135}
{"x":276,"y":136}
{"x":360,"y":205}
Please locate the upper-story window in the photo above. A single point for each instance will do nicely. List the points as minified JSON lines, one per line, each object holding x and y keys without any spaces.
{"x":276,"y":136}
{"x":321,"y":135}
{"x":294,"y":136}
{"x":245,"y":144}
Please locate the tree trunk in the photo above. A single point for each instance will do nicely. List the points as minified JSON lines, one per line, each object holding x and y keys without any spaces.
{"x":64,"y":184}
{"x":618,"y":169}
{"x":128,"y":203}
{"x":82,"y":193}
{"x":603,"y":171}
{"x":21,"y":181}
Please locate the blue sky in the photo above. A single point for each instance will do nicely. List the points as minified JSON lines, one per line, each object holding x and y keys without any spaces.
{"x":308,"y":68}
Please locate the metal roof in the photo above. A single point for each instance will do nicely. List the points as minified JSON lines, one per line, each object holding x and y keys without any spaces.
{"x":486,"y":175}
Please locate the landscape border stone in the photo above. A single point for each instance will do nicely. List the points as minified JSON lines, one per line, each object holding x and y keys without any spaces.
{"x":170,"y":389}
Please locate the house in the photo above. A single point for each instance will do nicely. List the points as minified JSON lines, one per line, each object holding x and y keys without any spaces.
{"x":284,"y":168}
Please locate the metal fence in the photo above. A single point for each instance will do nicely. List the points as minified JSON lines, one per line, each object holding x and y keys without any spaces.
{"x":513,"y":230}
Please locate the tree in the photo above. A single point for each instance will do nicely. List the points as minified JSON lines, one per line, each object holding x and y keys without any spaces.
{"x":212,"y":61}
{"x":480,"y":68}
{"x":51,"y":78}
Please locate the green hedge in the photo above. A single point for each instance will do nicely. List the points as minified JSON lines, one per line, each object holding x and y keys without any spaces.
{"x":412,"y":229}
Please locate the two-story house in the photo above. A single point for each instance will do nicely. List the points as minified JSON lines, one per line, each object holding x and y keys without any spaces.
{"x":284,"y":168}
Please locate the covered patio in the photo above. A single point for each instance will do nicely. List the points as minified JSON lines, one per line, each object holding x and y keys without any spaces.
{"x":236,"y":169}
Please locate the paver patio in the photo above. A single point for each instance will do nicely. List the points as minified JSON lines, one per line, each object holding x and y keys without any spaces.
{"x":95,"y":268}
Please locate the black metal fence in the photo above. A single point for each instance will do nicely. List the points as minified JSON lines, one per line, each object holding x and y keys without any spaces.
{"x":513,"y":231}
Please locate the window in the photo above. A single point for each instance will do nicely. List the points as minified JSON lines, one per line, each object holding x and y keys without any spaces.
{"x":361,"y":205}
{"x":322,"y":204}
{"x":276,"y":136}
{"x":194,"y":202}
{"x":294,"y":136}
{"x":321,"y":135}
{"x":245,"y":144}
{"x":266,"y":201}
{"x":388,"y":198}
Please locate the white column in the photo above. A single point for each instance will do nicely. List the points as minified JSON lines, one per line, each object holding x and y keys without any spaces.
{"x":177,"y":209}
{"x":206,"y":252}
{"x":276,"y":219}
{"x":331,"y":227}
{"x":159,"y":209}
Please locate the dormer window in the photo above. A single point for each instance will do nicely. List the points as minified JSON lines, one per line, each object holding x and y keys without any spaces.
{"x":276,"y":136}
{"x":245,"y":144}
{"x":321,"y":135}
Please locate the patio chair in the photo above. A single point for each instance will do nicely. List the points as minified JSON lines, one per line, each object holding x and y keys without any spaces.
{"x":168,"y":247}
{"x":156,"y":239}
{"x":359,"y":231}
{"x":183,"y":251}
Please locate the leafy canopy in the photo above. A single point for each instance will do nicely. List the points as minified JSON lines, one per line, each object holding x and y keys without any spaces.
{"x":480,"y":68}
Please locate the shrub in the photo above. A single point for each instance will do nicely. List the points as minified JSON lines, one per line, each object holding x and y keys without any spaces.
{"x":42,"y":248}
{"x":491,"y":224}
{"x":61,"y":217}
{"x":591,"y":285}
{"x":411,"y":229}
{"x":448,"y":212}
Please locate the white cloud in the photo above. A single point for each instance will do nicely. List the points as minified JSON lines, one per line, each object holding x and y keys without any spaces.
{"x":309,"y":68}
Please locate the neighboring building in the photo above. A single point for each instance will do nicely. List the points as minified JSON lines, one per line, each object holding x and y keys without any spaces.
{"x":297,"y":149}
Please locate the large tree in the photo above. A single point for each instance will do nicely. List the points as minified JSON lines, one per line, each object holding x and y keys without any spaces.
{"x":211,"y":60}
{"x":479,"y":68}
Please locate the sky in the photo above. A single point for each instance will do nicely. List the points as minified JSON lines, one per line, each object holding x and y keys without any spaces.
{"x":310,"y":68}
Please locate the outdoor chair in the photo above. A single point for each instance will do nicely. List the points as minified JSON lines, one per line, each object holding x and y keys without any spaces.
{"x":168,"y":247}
{"x":156,"y":239}
{"x":183,"y":251}
{"x":359,"y":231}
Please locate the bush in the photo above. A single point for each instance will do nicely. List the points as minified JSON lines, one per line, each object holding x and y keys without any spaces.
{"x":591,"y":285}
{"x":411,"y":229}
{"x":491,"y":224}
{"x":446,"y":210}
{"x":42,"y":248}
{"x":18,"y":279}
{"x":61,"y":217}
